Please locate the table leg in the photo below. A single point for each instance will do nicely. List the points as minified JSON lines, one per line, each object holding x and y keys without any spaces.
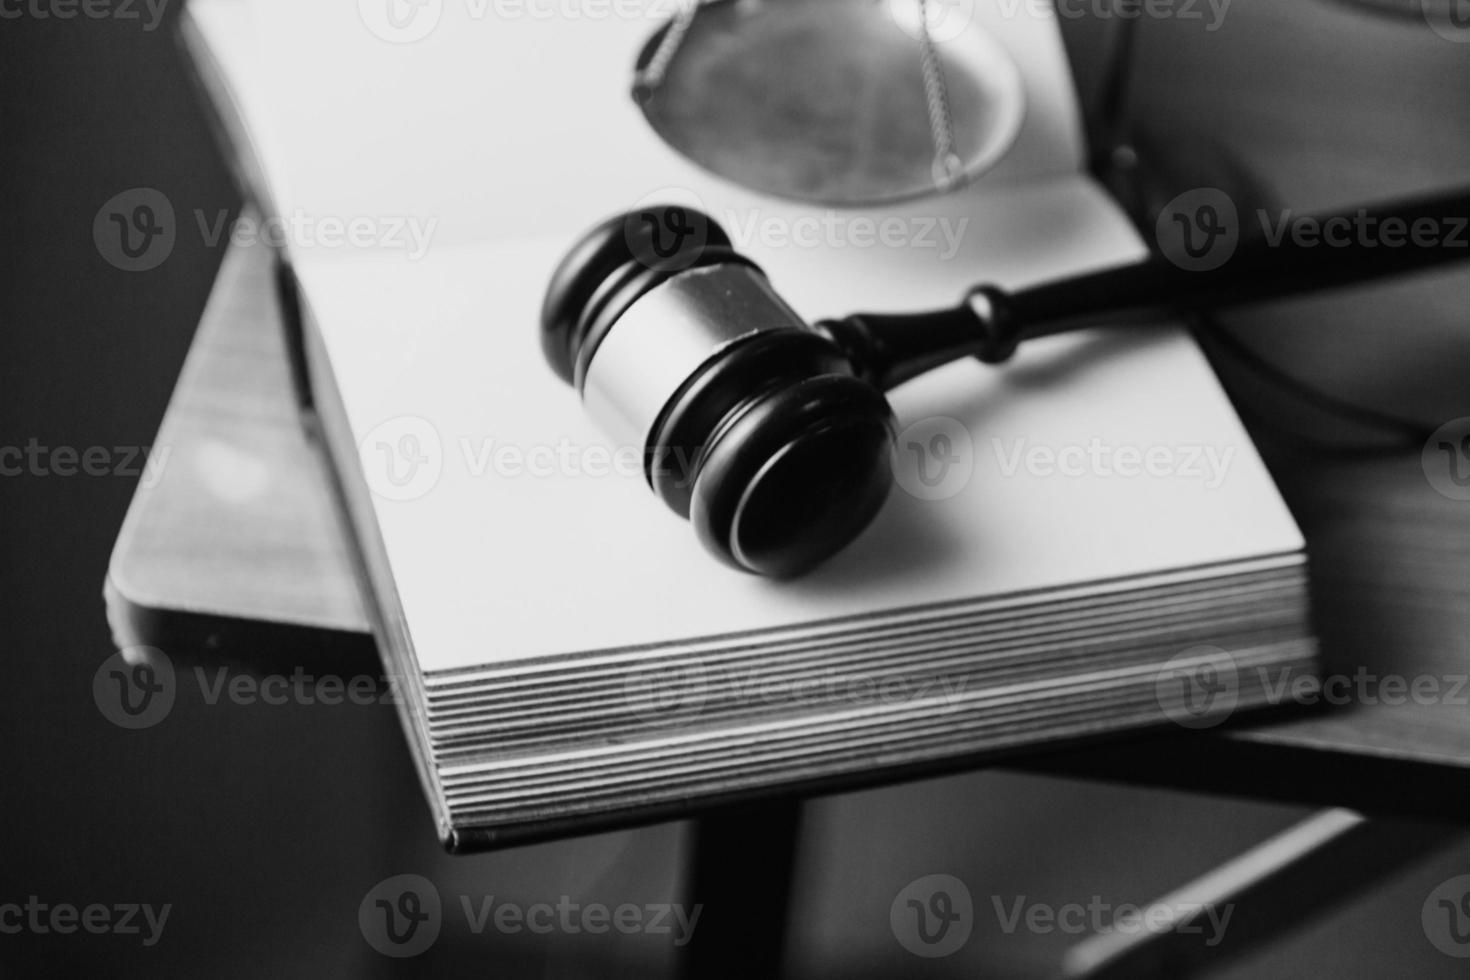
{"x":741,"y":865}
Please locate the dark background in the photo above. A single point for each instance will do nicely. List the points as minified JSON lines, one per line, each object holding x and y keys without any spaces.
{"x":263,"y":828}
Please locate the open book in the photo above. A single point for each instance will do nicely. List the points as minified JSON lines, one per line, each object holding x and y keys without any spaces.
{"x":1081,"y":542}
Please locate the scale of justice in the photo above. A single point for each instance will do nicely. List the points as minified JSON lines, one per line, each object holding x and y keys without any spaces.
{"x":843,"y":103}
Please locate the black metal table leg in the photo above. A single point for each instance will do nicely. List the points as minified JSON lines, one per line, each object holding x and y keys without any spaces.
{"x":741,"y":865}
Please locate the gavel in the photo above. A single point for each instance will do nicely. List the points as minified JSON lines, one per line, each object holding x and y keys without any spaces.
{"x":772,"y":436}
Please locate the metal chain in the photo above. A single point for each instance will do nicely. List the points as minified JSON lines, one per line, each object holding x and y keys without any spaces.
{"x":947,"y":162}
{"x":652,"y":74}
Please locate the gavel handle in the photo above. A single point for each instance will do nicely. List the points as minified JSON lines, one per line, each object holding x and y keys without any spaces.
{"x":1294,"y":256}
{"x":1347,"y":248}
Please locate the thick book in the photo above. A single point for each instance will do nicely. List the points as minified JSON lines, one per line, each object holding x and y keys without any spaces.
{"x":1082,"y":542}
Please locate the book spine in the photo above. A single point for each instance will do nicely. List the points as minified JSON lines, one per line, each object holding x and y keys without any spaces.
{"x":227,"y":125}
{"x":323,"y":416}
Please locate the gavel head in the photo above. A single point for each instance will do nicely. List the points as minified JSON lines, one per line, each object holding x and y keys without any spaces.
{"x":753,"y":425}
